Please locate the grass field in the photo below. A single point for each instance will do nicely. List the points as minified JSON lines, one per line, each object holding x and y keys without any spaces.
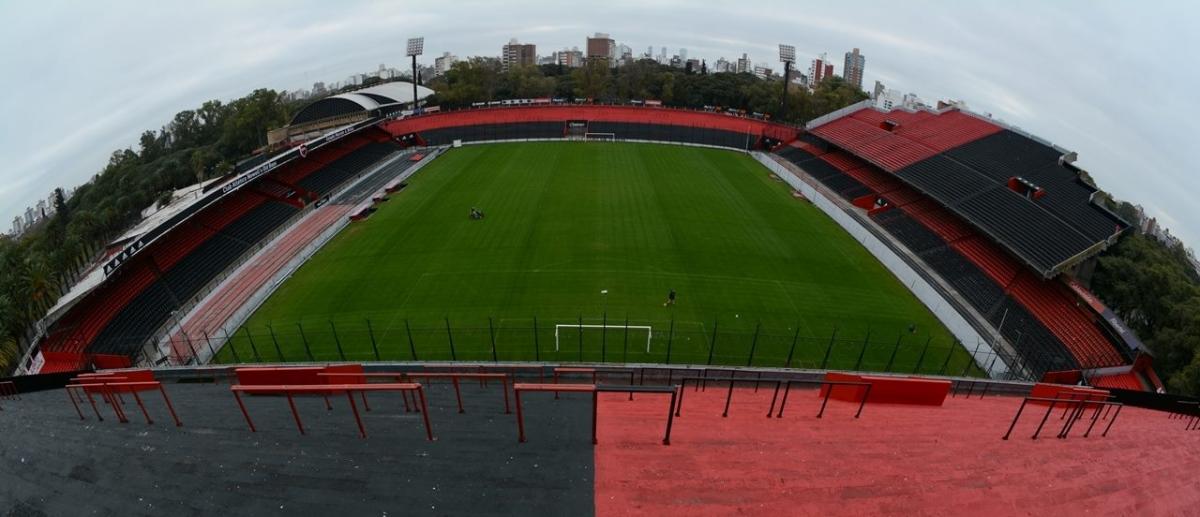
{"x":754,"y":268}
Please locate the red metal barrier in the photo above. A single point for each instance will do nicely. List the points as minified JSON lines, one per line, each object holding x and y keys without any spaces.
{"x":349,"y":389}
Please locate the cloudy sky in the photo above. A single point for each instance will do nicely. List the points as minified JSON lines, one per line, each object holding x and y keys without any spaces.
{"x":1114,"y":81}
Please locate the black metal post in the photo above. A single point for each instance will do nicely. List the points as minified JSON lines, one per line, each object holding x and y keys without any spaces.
{"x":894,"y":350}
{"x":275,"y":341}
{"x":791,"y":351}
{"x":953,"y":347}
{"x":625,"y":345}
{"x":450,"y":339}
{"x":492,"y":334}
{"x":210,"y":348}
{"x":603,"y":335}
{"x":304,"y":339}
{"x":970,"y":361}
{"x":922,"y":358}
{"x":712,"y":344}
{"x":412,"y":347}
{"x":537,"y":353}
{"x":581,"y":338}
{"x":670,"y":337}
{"x":336,"y":340}
{"x":253,"y":348}
{"x":863,"y":352}
{"x":371,"y":334}
{"x":829,"y":348}
{"x":229,"y":342}
{"x":753,"y":344}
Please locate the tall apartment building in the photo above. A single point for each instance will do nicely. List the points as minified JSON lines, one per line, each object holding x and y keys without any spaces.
{"x":820,"y":70}
{"x":852,"y":70}
{"x":518,"y":54}
{"x":601,"y":46}
{"x":743,"y":65}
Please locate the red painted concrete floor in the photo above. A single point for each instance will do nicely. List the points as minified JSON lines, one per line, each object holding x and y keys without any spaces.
{"x":903,"y":460}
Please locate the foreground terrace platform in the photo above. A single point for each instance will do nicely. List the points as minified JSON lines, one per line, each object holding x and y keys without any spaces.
{"x":897,"y":459}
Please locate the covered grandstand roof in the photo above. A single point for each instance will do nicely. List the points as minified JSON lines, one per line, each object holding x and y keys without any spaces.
{"x":366,"y":99}
{"x":1020,"y":191}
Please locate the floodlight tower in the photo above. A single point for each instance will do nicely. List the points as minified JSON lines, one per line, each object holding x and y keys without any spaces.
{"x":416,"y":46}
{"x":787,"y":55}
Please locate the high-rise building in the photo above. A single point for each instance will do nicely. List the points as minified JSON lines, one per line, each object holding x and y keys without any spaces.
{"x":878,"y":90}
{"x":683,"y":54}
{"x":662,"y":56}
{"x":624,"y":54}
{"x":820,"y":70}
{"x":852,"y":70}
{"x":721,"y":66}
{"x":570,"y":58}
{"x":743,"y":65}
{"x":518,"y":54}
{"x":601,"y":46}
{"x":442,"y":63}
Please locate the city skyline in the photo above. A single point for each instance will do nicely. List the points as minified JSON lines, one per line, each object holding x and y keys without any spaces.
{"x":1044,"y":78}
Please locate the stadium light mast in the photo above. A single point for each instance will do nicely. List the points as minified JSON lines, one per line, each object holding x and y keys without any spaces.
{"x":787,"y":55}
{"x":416,"y":46}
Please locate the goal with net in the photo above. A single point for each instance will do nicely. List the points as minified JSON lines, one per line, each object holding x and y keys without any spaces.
{"x":601,"y":137}
{"x":619,"y":327}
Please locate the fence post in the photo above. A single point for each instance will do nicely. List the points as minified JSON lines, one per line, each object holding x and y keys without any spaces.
{"x":625,"y":345}
{"x":336,"y":340}
{"x":604,"y":336}
{"x":829,"y":348}
{"x":537,"y":351}
{"x":895,"y":349}
{"x":195,"y":357}
{"x":275,"y":342}
{"x":922,"y":358}
{"x":304,"y":338}
{"x":229,"y":341}
{"x":863,"y":352}
{"x":753,"y":344}
{"x":581,"y":338}
{"x":371,"y":334}
{"x":492,"y":334}
{"x":670,"y":337}
{"x":450,"y":337}
{"x":792,"y":350}
{"x":253,"y":348}
{"x":946,"y":363}
{"x":210,"y":348}
{"x":411,"y":347}
{"x":712,"y":342}
{"x":970,"y":360}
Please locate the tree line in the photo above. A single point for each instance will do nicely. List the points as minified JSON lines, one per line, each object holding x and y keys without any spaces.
{"x":481,"y":79}
{"x":40,"y":265}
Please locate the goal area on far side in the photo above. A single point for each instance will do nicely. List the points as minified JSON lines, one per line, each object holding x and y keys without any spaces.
{"x":605,"y":327}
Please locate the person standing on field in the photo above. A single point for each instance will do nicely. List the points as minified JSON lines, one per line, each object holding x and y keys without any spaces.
{"x":670,"y":298}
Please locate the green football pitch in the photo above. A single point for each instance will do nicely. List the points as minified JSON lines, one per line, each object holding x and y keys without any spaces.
{"x":578,"y":248}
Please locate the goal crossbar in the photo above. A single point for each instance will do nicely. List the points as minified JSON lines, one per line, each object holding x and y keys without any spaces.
{"x":600,"y":136}
{"x":649,"y":330}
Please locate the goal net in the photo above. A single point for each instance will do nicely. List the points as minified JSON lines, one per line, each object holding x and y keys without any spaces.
{"x":602,"y":137}
{"x":618,"y":327}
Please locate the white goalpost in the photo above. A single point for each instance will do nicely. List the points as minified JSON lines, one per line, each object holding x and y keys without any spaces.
{"x":649,"y":330}
{"x":603,"y":137}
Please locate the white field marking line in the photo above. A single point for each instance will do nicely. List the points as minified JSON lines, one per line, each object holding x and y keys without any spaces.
{"x":649,"y":331}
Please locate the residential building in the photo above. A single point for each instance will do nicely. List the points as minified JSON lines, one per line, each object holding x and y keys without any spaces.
{"x":601,"y":46}
{"x":443,"y":63}
{"x":852,"y":70}
{"x":820,"y":70}
{"x":572,"y":58}
{"x":721,"y":66}
{"x":518,"y":54}
{"x":743,"y":65}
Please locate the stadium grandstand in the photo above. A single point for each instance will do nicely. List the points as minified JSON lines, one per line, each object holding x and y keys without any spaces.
{"x":971,"y":206}
{"x":1002,"y":217}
